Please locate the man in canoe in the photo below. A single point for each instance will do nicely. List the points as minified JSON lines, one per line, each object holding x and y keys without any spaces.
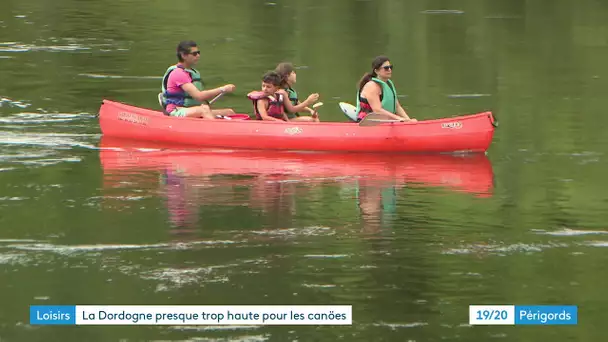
{"x":182,"y":89}
{"x":376,"y":92}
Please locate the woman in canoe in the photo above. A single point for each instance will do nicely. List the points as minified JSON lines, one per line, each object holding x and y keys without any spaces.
{"x":288,"y":74}
{"x":272,"y":101}
{"x":376,"y":92}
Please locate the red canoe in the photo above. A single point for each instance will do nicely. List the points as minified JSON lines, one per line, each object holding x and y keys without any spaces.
{"x":468,"y":133}
{"x":469,"y":173}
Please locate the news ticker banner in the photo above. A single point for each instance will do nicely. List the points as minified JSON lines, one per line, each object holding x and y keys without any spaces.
{"x":523,"y":314}
{"x":275,"y":315}
{"x":190,"y":315}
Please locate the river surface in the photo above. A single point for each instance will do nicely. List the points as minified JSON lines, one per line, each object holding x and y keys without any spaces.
{"x":409,"y":241}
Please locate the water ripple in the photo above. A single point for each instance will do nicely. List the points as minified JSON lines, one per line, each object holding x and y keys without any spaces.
{"x":395,"y":326}
{"x":17,"y":240}
{"x":34,"y":118}
{"x":294,"y":232}
{"x":46,"y":139}
{"x":69,"y":250}
{"x":572,"y":232}
{"x":120,"y":76}
{"x":326,"y":256}
{"x":465,"y":96}
{"x":13,"y":103}
{"x":172,"y":277}
{"x":13,"y":259}
{"x":51,"y":48}
{"x":444,"y":11}
{"x":597,"y":243}
{"x":319,"y":285}
{"x":13,"y":199}
{"x":54,"y":44}
{"x":215,"y":327}
{"x":502,"y":249}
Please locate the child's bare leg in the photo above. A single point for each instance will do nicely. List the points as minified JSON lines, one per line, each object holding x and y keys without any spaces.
{"x":223,"y":111}
{"x":305,"y":119}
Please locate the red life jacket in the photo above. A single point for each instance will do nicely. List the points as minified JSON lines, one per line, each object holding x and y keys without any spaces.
{"x":365,"y":107}
{"x":275,"y":107}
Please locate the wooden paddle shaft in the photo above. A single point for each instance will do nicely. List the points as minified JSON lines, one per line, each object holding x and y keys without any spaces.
{"x":217,"y":97}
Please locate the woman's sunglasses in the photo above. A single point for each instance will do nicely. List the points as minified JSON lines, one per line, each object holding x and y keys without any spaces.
{"x":195,"y":53}
{"x":388,"y":67}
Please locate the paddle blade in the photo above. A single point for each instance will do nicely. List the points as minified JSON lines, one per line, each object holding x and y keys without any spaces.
{"x":349,"y":110}
{"x":374,"y":119}
{"x":160,"y":100}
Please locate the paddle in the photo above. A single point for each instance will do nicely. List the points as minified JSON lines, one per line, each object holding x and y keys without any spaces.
{"x":349,"y":110}
{"x":314,"y":109}
{"x":217,"y":97}
{"x":374,"y":119}
{"x":317,"y":105}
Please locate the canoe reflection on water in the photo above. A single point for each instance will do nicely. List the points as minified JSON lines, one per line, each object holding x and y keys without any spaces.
{"x":272,"y":182}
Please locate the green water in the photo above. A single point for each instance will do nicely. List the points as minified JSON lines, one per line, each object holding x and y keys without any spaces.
{"x":408,"y":242}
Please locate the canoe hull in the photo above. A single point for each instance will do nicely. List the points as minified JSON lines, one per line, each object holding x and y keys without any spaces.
{"x":468,"y":133}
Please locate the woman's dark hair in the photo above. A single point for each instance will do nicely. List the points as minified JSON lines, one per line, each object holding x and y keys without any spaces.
{"x":273,"y":78}
{"x":184,"y":47}
{"x":284,"y":70}
{"x":376,"y":64}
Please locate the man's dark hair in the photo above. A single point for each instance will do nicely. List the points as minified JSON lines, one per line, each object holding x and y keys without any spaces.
{"x":184,"y":47}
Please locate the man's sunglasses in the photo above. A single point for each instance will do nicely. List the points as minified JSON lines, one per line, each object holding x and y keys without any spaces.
{"x":388,"y":67}
{"x":195,"y":53}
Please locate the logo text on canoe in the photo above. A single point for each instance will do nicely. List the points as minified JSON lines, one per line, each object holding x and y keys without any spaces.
{"x":293,"y":130}
{"x":134,"y":118}
{"x":452,"y":125}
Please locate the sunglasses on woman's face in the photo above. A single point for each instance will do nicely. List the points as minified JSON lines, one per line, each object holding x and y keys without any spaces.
{"x":195,"y":53}
{"x":387,"y":67}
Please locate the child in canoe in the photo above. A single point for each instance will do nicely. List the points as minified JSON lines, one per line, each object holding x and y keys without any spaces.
{"x":288,"y":74}
{"x":272,"y":102}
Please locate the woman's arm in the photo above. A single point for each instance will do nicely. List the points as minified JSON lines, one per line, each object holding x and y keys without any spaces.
{"x":261,"y":107}
{"x":401,"y":111}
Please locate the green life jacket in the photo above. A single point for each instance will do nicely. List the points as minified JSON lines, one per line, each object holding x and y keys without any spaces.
{"x":181,"y":98}
{"x":388,"y":199}
{"x":389,"y":202}
{"x":389,"y":102}
{"x":293,"y":97}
